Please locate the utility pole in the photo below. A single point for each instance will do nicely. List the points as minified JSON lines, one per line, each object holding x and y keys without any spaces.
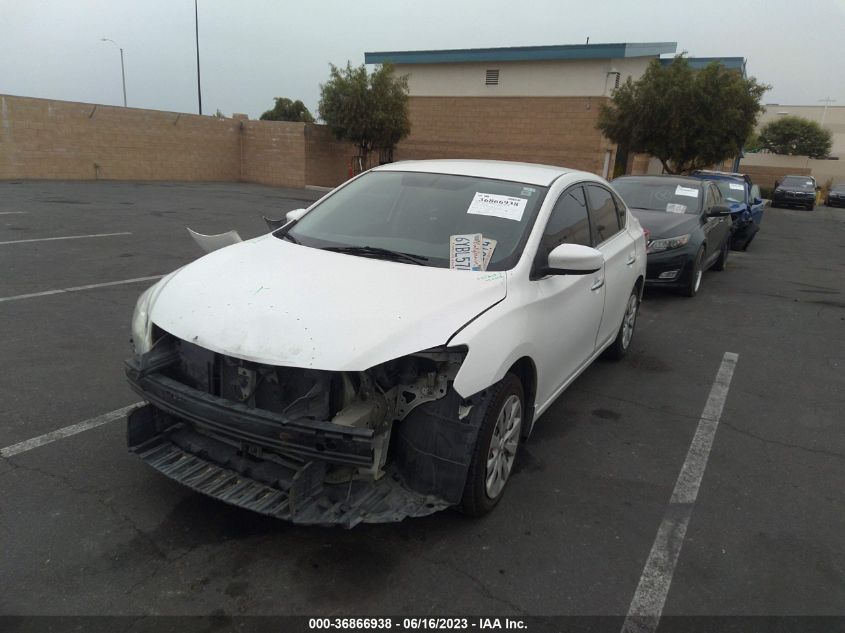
{"x":197,"y":30}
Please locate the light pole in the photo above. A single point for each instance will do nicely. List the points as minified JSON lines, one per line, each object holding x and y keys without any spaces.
{"x":197,"y":31}
{"x":122,"y":71}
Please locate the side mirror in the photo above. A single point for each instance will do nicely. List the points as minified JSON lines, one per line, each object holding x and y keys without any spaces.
{"x":573,"y":259}
{"x":718,"y":211}
{"x":293,"y":216}
{"x":756,"y":201}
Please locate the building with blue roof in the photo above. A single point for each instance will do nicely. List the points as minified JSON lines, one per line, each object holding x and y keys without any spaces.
{"x":526,"y":103}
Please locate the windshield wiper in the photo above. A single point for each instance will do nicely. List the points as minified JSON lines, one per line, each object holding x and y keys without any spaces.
{"x":379,"y":253}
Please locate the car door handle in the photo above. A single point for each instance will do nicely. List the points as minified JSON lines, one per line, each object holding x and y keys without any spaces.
{"x":631,"y":260}
{"x":598,"y":283}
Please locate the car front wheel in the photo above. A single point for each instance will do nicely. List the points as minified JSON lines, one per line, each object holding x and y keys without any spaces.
{"x":697,"y":272}
{"x":496,"y":447}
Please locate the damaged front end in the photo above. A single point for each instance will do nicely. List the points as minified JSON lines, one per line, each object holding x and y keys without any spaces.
{"x":304,"y":445}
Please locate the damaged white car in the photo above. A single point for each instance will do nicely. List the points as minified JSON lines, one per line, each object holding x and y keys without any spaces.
{"x":384,"y":353}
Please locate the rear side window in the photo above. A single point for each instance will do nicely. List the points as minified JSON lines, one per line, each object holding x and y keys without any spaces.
{"x":620,"y":210}
{"x":568,"y":224}
{"x":603,"y":214}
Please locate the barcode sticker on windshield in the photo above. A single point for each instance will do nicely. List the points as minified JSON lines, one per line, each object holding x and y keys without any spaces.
{"x":736,"y":185}
{"x":507,"y":207}
{"x":465,"y":252}
{"x":671,"y":207}
{"x":686,"y":191}
{"x":488,"y":245}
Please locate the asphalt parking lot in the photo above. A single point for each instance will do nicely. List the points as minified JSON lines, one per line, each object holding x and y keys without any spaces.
{"x":87,"y":529}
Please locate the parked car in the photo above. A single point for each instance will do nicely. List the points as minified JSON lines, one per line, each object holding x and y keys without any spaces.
{"x":687,"y":223}
{"x":744,"y":199}
{"x":795,"y":191}
{"x":385,"y":352}
{"x":836,"y":196}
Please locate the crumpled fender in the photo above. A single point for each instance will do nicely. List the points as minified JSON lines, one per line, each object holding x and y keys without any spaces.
{"x":434,"y":447}
{"x":210,"y":243}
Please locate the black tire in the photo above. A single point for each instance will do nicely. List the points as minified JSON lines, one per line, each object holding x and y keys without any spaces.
{"x":476,"y":501}
{"x":622,"y":343}
{"x":722,"y":262}
{"x":697,"y":272}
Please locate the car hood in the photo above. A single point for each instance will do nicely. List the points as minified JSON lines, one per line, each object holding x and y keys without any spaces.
{"x":664,"y":224}
{"x":274,"y":302}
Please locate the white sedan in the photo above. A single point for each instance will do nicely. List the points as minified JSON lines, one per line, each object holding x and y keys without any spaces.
{"x":384,"y":353}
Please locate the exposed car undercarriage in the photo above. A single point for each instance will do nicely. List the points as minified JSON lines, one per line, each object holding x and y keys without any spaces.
{"x":309,"y":446}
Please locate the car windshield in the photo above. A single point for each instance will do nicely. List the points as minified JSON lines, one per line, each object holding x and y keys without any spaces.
{"x":732,"y":190}
{"x":796,"y":181}
{"x":386,"y":213}
{"x":838,"y":188}
{"x":670,"y":196}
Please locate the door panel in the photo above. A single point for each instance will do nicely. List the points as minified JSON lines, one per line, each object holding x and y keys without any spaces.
{"x":617,"y":246}
{"x":566,"y":309}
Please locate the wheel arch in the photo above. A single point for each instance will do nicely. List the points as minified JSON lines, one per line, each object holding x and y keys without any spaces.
{"x":526,"y":371}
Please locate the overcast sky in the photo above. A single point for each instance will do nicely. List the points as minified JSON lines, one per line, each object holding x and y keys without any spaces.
{"x":254,"y":50}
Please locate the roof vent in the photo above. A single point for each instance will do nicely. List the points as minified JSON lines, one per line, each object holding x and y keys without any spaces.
{"x":492,"y":77}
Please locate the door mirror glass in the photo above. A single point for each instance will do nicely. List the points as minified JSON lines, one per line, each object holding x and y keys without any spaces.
{"x":574,"y":259}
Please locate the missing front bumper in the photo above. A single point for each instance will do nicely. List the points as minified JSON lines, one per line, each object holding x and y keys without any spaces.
{"x":285,"y":489}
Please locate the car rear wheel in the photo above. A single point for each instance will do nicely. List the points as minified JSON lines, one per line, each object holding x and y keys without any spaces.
{"x":723,"y":258}
{"x":620,"y":346}
{"x":496,"y":448}
{"x":697,"y":272}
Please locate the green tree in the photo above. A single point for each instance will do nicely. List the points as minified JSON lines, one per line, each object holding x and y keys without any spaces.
{"x":287,"y":110}
{"x":370,"y":110}
{"x":796,"y":136}
{"x":688,"y":119}
{"x":219,"y":114}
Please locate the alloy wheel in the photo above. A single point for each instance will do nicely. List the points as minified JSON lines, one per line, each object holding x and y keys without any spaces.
{"x":503,"y":445}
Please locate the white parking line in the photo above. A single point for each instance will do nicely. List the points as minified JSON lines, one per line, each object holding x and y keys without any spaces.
{"x":66,"y":237}
{"x":46,"y":293}
{"x":52,"y":436}
{"x":11,"y":212}
{"x":650,"y":596}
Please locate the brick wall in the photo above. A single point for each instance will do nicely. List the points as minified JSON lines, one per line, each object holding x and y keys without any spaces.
{"x":765,"y":175}
{"x":41,"y":138}
{"x":552,"y":130}
{"x":274,"y":153}
{"x":63,"y":140}
{"x":327,"y":160}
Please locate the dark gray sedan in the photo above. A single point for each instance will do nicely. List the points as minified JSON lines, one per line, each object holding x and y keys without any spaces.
{"x":688,"y":227}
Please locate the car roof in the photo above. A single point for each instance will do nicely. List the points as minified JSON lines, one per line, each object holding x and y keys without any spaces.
{"x":720,"y":175}
{"x":656,"y":179}
{"x":530,"y":173}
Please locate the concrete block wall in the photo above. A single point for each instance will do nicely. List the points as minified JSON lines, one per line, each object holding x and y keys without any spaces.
{"x":552,"y":130}
{"x":46,"y":139}
{"x":63,"y":140}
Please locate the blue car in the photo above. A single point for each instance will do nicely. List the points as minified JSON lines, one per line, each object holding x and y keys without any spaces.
{"x":743,"y":198}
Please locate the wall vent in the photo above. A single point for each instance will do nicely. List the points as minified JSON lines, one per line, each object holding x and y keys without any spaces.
{"x":492,"y":77}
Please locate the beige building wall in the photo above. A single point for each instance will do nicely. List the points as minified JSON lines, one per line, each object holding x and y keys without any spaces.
{"x":771,"y":166}
{"x":833,"y":119}
{"x":568,"y":78}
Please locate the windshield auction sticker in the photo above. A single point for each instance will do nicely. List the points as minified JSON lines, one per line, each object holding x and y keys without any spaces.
{"x":671,"y":207}
{"x":465,"y":252}
{"x":507,"y":207}
{"x":736,"y":185}
{"x":686,"y":191}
